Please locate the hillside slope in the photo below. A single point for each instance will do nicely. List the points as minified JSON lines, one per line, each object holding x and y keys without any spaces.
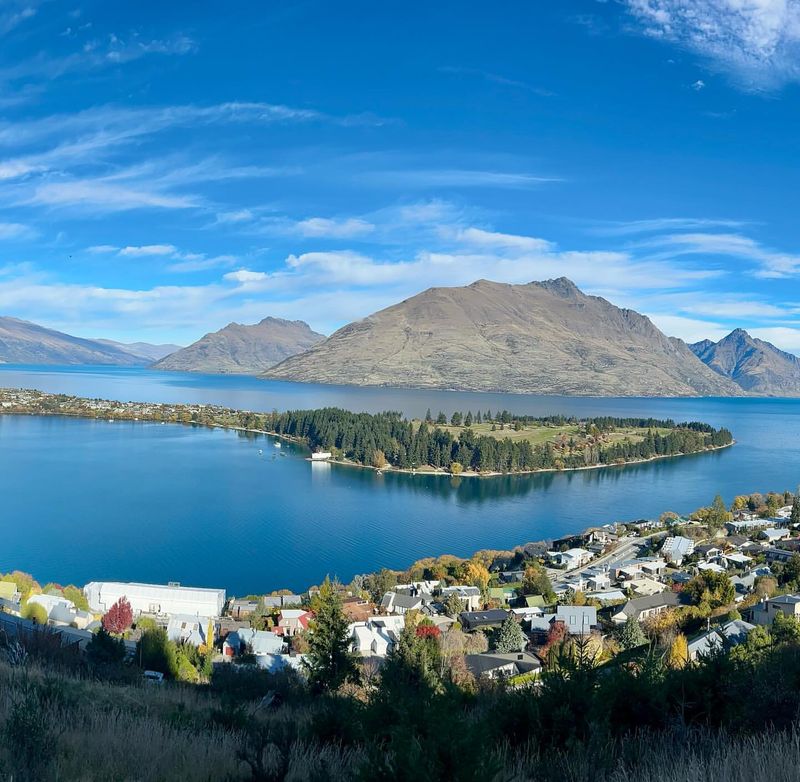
{"x":241,"y":349}
{"x":543,"y":338}
{"x":22,"y":342}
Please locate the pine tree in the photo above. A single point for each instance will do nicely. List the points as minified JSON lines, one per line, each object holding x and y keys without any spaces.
{"x":468,"y":419}
{"x":330,"y":663}
{"x":428,"y":417}
{"x":510,"y":638}
{"x":632,"y":634}
{"x":795,"y":517}
{"x":441,"y":419}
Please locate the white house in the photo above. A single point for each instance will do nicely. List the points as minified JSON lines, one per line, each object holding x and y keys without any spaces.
{"x":377,"y":636}
{"x":570,"y":559}
{"x":189,"y":630}
{"x":773,"y":534}
{"x":470,"y":596}
{"x":676,"y":548}
{"x":62,"y":612}
{"x":170,"y":599}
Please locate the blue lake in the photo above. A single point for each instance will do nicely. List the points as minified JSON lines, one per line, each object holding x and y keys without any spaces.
{"x":86,"y":500}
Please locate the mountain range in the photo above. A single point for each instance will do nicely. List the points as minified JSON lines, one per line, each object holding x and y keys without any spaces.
{"x":241,"y":349}
{"x":755,"y":365}
{"x":22,"y":342}
{"x":540,"y":338}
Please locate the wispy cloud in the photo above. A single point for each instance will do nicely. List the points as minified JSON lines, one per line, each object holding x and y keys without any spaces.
{"x":494,"y":78}
{"x":756,"y":41}
{"x":659,"y":225}
{"x":429,"y":178}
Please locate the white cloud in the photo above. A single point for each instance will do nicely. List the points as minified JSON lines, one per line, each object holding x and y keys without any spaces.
{"x":698,"y":85}
{"x":246,"y":276}
{"x":758,"y":41}
{"x":14,"y":230}
{"x":785,"y":337}
{"x":688,"y":329}
{"x":102,"y":249}
{"x":333,"y":229}
{"x":771,"y":264}
{"x":104,"y":196}
{"x":487,"y":239}
{"x":148,"y":250}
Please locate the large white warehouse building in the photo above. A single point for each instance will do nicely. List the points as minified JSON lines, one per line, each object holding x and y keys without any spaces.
{"x":168,"y":599}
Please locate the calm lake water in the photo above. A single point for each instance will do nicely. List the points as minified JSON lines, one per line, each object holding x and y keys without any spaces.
{"x":85,"y":500}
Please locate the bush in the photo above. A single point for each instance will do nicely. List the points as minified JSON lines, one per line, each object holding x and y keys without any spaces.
{"x":35,"y":612}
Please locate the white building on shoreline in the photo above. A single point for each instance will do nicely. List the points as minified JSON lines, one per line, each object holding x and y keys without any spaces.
{"x":158,"y":599}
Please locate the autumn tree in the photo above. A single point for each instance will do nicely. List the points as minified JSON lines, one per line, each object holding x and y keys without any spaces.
{"x":119,"y":617}
{"x":378,"y":459}
{"x":535,"y":581}
{"x":678,"y":652}
{"x":476,"y":574}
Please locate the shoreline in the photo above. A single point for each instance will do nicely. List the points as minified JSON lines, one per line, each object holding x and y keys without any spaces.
{"x":471,"y":474}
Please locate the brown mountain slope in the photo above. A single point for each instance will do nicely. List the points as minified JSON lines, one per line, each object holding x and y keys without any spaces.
{"x":543,"y":337}
{"x":757,"y":366}
{"x":240,"y":349}
{"x":22,"y":342}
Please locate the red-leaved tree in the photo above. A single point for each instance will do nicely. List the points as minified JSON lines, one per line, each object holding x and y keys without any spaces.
{"x":119,"y":617}
{"x":428,"y":631}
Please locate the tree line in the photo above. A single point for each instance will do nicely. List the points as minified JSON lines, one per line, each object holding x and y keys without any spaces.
{"x":390,"y":439}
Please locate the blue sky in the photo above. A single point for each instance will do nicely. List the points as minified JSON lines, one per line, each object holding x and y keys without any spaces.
{"x":166,"y":169}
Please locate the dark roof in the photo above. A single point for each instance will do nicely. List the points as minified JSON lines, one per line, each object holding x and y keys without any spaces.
{"x":635,"y":606}
{"x":490,"y":616}
{"x":479,"y":664}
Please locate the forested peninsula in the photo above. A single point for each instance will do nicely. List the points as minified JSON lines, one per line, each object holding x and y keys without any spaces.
{"x":482,"y":443}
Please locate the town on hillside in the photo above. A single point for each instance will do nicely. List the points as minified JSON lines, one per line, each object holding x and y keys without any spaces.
{"x":718,"y":581}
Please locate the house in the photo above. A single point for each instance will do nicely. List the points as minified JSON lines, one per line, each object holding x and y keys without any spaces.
{"x":642,"y":608}
{"x":598,"y":581}
{"x":397,"y":603}
{"x":579,"y":620}
{"x":774,"y":534}
{"x":764,"y":613}
{"x":281,"y":601}
{"x":512,"y":576}
{"x":188,"y":630}
{"x":712,"y":566}
{"x":377,"y":636}
{"x":8,"y":591}
{"x":473,"y":620}
{"x":708,"y":551}
{"x":735,"y":561}
{"x":62,"y":612}
{"x":357,"y":610}
{"x":676,"y":548}
{"x":748,"y":525}
{"x":249,"y":641}
{"x":641,"y":587}
{"x":292,"y":621}
{"x":418,"y":587}
{"x":503,"y":594}
{"x":169,"y":599}
{"x":470,"y":596}
{"x":571,"y":559}
{"x":772,"y":554}
{"x":497,"y":665}
{"x":736,"y":541}
{"x":243,"y":607}
{"x":607,"y":595}
{"x":718,"y":638}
